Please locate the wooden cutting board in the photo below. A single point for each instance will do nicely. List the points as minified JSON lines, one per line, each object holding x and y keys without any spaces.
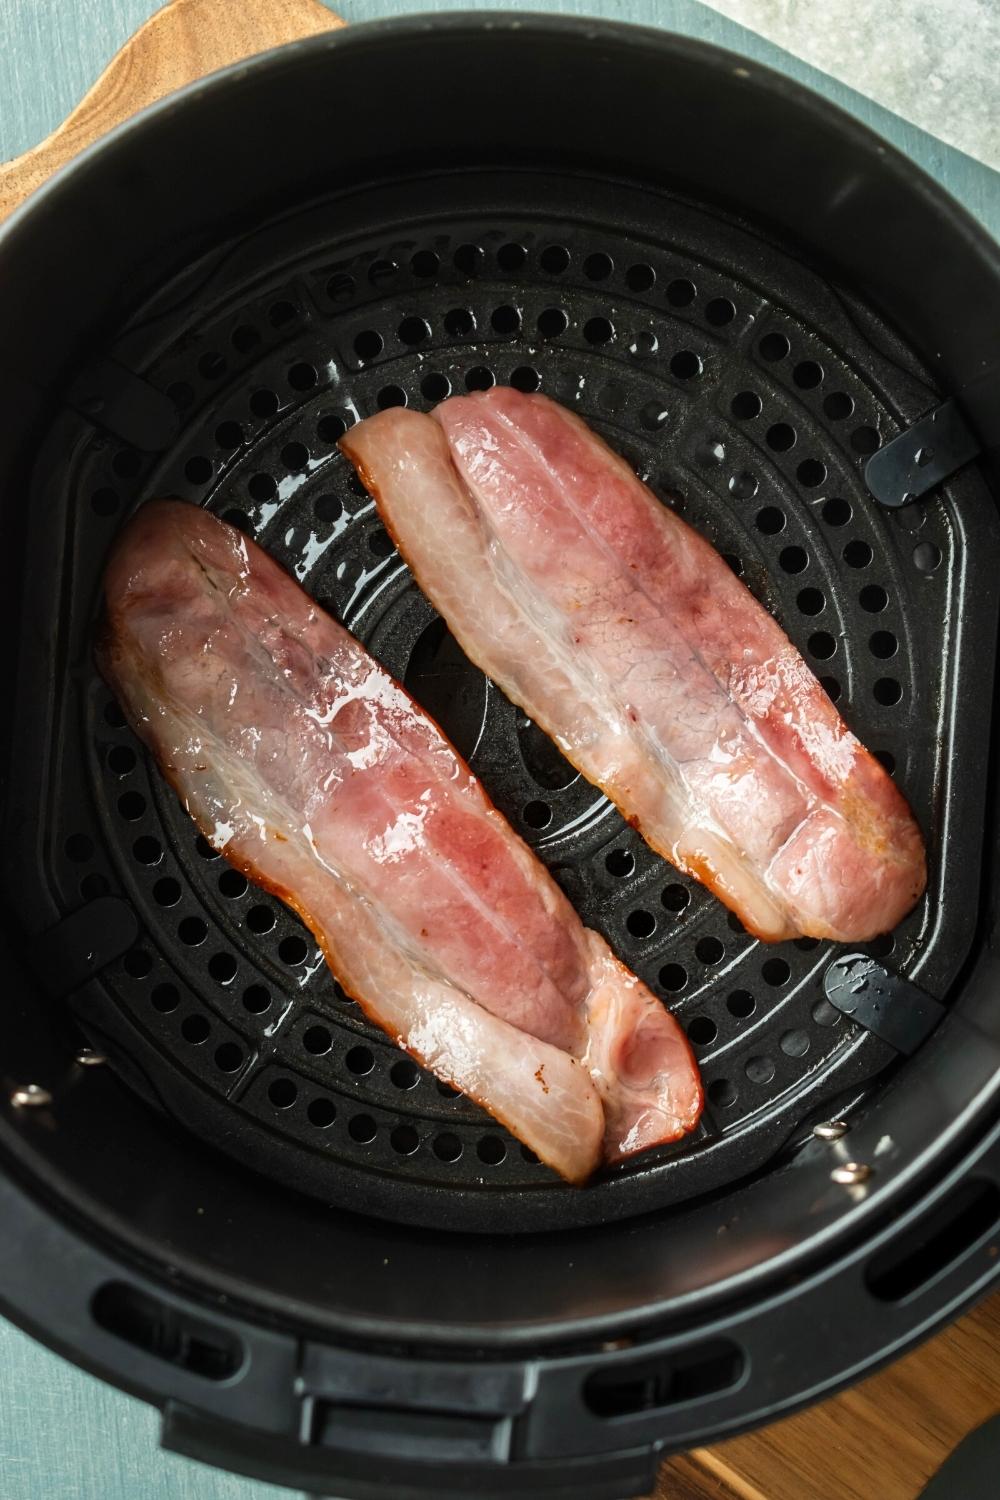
{"x":883,"y":1439}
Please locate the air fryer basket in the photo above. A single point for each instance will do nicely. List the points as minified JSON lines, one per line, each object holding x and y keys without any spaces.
{"x":720,"y":275}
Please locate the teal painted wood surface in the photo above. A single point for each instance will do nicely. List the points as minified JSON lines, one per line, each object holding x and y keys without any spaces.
{"x":64,"y":1435}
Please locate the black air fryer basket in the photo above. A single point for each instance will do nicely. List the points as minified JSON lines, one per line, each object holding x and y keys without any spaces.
{"x":326,"y":1268}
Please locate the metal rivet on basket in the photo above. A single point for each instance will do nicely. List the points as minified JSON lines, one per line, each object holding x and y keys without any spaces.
{"x":88,"y":1058}
{"x":851,"y":1173}
{"x":830,"y":1130}
{"x":30,"y":1096}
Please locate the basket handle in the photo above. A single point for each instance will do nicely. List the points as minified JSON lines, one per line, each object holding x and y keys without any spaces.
{"x":180,"y":43}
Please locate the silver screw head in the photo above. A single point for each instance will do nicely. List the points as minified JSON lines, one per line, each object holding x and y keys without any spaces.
{"x":831,"y":1130}
{"x":851,"y":1173}
{"x":30,"y":1096}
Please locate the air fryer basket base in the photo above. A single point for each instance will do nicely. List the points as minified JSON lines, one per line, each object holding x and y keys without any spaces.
{"x":748,"y":393}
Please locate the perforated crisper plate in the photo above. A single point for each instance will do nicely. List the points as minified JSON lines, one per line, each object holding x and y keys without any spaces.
{"x":748,"y":394}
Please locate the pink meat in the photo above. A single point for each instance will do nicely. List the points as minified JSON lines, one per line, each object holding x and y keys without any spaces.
{"x":628,"y":638}
{"x":310,"y":769}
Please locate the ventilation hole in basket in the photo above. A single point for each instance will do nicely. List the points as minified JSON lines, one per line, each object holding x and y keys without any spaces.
{"x":744,"y":486}
{"x":229,"y":435}
{"x":292,"y":950}
{"x":359,"y":1061}
{"x":281,"y":313}
{"x":641,"y":924}
{"x":264,"y":403}
{"x":340,"y":287}
{"x":881,"y":947}
{"x":552,"y":322}
{"x":529,"y":1156}
{"x":317,"y":1040}
{"x":238,"y":519}
{"x":883,"y":644}
{"x":180,"y":393}
{"x":643,"y":345}
{"x":873,"y":598}
{"x":810,"y":601}
{"x":822,"y":645}
{"x":506,"y":321}
{"x":361,"y":1128}
{"x":887,"y":691}
{"x":195,"y":1029}
{"x":511,"y":257}
{"x":886,"y":759}
{"x":295,"y":457}
{"x":380,"y":543}
{"x":865,"y":440}
{"x":598,"y":331}
{"x":121,"y":759}
{"x":734,"y":563}
{"x":233,"y":884}
{"x":212,"y":365}
{"x":685,"y":365}
{"x":793,"y":560}
{"x":282,"y":1093}
{"x":368,"y":344}
{"x":702,"y":1031}
{"x":328,"y":508}
{"x":147,"y":850}
{"x":676,"y":898}
{"x":256,"y":999}
{"x":167,"y":892}
{"x":204,"y":848}
{"x":198,"y":470}
{"x":794,"y":1043}
{"x":382,"y":271}
{"x":838,"y":405}
{"x":192,"y":931}
{"x":831,"y":686}
{"x":554,"y":259}
{"x":525,"y":378}
{"x":780,"y":437}
{"x":745,"y":405}
{"x":113,"y":715}
{"x":598,"y":267}
{"x":404,"y":1139}
{"x":424,"y":263}
{"x":836,"y":512}
{"x":138,"y":963}
{"x":775,"y":971}
{"x":640,"y":278}
{"x":413,"y":331}
{"x":857,"y":554}
{"x":806,"y":944}
{"x":709,"y":950}
{"x":480,"y":378}
{"x":774,"y":346}
{"x":447,"y":1146}
{"x":653,"y":416}
{"x":390,"y":395}
{"x":681,"y":292}
{"x":770,"y":520}
{"x":222,"y":967}
{"x":811,"y":473}
{"x":926,"y":557}
{"x":104,"y":502}
{"x":807,"y":374}
{"x":825,"y":1014}
{"x":673,"y":978}
{"x":229,"y":1057}
{"x":722,"y":1093}
{"x":261,"y":487}
{"x":404,"y":1074}
{"x":619,"y":862}
{"x":759,"y":1069}
{"x":468,"y":259}
{"x":537,"y":814}
{"x":165,"y":998}
{"x":720,"y":311}
{"x":321,"y":1112}
{"x":741,"y":1004}
{"x":131,"y":805}
{"x":734,"y":924}
{"x":435,"y":386}
{"x":491,"y":1149}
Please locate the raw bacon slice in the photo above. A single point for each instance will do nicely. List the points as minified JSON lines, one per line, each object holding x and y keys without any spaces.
{"x":311,"y":770}
{"x":629,"y":640}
